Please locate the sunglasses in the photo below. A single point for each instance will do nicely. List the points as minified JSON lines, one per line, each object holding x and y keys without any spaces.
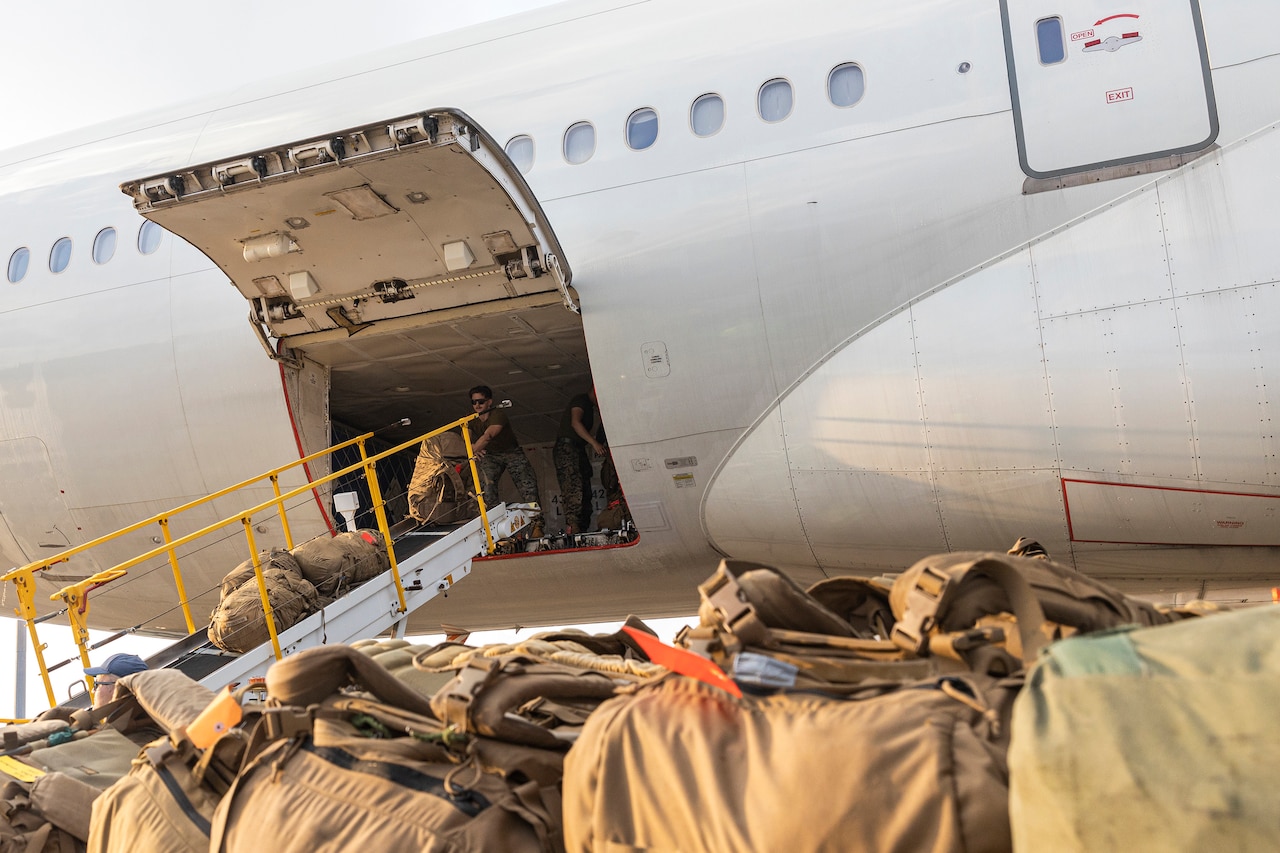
{"x":479,"y":402}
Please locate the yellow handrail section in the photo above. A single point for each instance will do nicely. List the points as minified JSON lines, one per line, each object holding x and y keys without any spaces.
{"x":76,"y":596}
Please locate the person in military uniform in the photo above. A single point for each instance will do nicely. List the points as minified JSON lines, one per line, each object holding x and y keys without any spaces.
{"x":573,"y":466}
{"x":497,"y":449}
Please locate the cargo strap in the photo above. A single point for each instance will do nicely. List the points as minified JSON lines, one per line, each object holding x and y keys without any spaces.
{"x":938,"y":586}
{"x":739,"y":622}
{"x":452,"y":703}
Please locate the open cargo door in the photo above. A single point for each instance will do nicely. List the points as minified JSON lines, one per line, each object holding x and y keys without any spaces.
{"x":398,"y":263}
{"x":367,"y":227}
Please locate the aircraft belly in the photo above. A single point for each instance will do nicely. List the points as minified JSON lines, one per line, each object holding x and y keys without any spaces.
{"x":1124,"y":350}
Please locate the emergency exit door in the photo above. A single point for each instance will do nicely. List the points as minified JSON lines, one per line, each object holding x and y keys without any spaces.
{"x":1099,"y":83}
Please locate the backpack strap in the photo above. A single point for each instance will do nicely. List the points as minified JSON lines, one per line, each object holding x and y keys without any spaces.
{"x":744,"y":602}
{"x":934,"y":584}
{"x":731,"y":610}
{"x":486,"y":693}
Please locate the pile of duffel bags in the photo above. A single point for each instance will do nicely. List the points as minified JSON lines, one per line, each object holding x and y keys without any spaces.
{"x":976,"y":702}
{"x":299,"y":583}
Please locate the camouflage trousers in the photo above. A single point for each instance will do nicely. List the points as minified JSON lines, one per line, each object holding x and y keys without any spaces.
{"x":515,"y":463}
{"x":573,"y":471}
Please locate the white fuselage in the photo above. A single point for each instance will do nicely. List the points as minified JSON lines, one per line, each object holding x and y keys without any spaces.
{"x":835,"y":342}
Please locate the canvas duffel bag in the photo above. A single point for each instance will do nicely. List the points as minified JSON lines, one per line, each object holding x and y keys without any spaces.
{"x":939,"y":601}
{"x":167,"y":799}
{"x":25,"y":829}
{"x":437,"y":492}
{"x":334,"y":563}
{"x":51,"y":811}
{"x":376,"y":770}
{"x":238,"y":624}
{"x":681,"y":765}
{"x":909,"y":748}
{"x":1152,"y":739}
{"x":274,"y":558}
{"x":763,"y":629}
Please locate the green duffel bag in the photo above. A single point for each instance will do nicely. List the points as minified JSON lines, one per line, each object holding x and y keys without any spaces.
{"x":1151,"y":739}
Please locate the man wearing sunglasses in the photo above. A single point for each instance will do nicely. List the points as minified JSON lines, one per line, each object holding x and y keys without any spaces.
{"x":497,"y":450}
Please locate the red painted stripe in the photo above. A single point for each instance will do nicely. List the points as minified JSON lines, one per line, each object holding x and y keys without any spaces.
{"x":1133,"y":35}
{"x":297,"y":438}
{"x":1071,"y":536}
{"x":1066,"y":505}
{"x":1092,"y":43}
{"x":1170,"y":544}
{"x":1170,"y":488}
{"x":1113,"y":17}
{"x":557,"y":551}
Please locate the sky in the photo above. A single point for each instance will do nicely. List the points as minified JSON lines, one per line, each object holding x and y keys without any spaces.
{"x":71,"y":63}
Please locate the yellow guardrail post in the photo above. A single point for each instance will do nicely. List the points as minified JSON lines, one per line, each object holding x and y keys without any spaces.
{"x":379,"y":510}
{"x":76,"y":597}
{"x":475,"y":478}
{"x":177,"y":577}
{"x":262,"y":586}
{"x":24,"y":579}
{"x":284,"y":518}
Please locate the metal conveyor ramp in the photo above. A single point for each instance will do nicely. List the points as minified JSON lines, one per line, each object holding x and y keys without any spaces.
{"x":369,"y":610}
{"x":422,"y":564}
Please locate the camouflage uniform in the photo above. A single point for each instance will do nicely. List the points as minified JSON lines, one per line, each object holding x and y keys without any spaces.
{"x":573,"y":471}
{"x":514,"y":462}
{"x":573,"y":465}
{"x":503,"y":454}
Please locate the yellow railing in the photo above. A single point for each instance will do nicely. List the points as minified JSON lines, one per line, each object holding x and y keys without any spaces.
{"x":76,"y":595}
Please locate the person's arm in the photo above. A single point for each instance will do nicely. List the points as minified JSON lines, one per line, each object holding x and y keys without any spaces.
{"x":487,"y":436}
{"x":575,"y":418}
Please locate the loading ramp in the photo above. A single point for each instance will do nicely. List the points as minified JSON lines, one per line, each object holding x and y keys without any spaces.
{"x":369,"y":610}
{"x":423,"y":563}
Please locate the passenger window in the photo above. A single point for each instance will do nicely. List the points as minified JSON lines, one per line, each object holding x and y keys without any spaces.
{"x":579,"y":142}
{"x":520,"y":150}
{"x":149,"y":237}
{"x":60,"y":255}
{"x":642,"y":129}
{"x":706,"y":116}
{"x":1049,"y":38}
{"x":846,"y":84}
{"x":774,"y":100}
{"x":104,"y":245}
{"x":18,"y":265}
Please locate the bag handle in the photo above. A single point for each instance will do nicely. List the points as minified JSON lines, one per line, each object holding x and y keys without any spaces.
{"x":939,"y":583}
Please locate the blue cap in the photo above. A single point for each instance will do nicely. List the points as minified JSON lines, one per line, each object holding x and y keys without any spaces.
{"x":118,"y":665}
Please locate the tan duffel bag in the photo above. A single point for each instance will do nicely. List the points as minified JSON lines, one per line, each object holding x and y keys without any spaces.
{"x":376,"y":770}
{"x":333,"y":564}
{"x":685,"y":766}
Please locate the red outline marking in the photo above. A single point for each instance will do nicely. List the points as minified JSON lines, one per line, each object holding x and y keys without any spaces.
{"x":487,"y":558}
{"x":1093,"y":43}
{"x":1113,"y":17}
{"x":297,"y":438}
{"x":1132,"y":35}
{"x":1071,"y":535}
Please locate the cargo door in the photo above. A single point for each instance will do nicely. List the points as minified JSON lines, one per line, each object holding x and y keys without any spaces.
{"x":1097,"y":84}
{"x":390,"y":268}
{"x":332,"y":236}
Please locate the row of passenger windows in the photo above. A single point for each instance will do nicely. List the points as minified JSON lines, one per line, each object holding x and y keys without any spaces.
{"x":104,"y":249}
{"x":846,"y":84}
{"x":845,"y":87}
